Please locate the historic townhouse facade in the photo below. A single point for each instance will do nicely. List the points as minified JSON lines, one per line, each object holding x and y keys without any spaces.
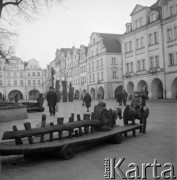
{"x":144,"y":52}
{"x":75,"y":72}
{"x":169,"y":22}
{"x":83,"y":70}
{"x":104,"y":64}
{"x":24,"y":79}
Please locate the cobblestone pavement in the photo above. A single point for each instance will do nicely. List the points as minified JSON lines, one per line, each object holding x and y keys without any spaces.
{"x":160,"y":142}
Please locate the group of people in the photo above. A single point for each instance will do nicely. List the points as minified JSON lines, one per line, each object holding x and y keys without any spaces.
{"x":122,"y":97}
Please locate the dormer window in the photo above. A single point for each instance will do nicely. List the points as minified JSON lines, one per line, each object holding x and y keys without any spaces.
{"x":152,"y":17}
{"x":141,"y":21}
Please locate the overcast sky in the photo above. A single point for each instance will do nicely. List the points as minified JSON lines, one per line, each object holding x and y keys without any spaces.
{"x":72,"y":24}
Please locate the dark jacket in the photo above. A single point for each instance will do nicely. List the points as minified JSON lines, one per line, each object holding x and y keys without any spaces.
{"x":124,"y":95}
{"x":87,"y":100}
{"x":52,"y":98}
{"x":119,"y":96}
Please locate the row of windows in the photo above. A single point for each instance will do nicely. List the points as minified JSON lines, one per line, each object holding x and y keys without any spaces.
{"x":34,"y":74}
{"x":99,"y":64}
{"x":141,"y":65}
{"x":15,"y":74}
{"x":153,"y":39}
{"x":34,"y":82}
{"x":76,"y":81}
{"x":92,"y":79}
{"x":21,"y":82}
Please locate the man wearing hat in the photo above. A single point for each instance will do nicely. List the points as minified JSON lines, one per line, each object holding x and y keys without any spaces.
{"x":52,"y":101}
{"x":136,"y":102}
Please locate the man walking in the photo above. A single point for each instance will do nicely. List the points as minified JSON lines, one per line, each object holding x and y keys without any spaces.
{"x":119,"y":98}
{"x":124,"y":97}
{"x":87,"y":100}
{"x":52,"y":101}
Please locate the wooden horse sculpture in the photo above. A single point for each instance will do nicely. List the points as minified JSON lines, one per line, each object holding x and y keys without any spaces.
{"x":131,"y":114}
{"x":107,"y":117}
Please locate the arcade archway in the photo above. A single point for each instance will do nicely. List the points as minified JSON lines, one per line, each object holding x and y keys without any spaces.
{"x":130,"y":88}
{"x":101,"y":92}
{"x":118,"y":89}
{"x":92,"y":93}
{"x":33,"y":94}
{"x":157,"y":89}
{"x":12,"y":94}
{"x":141,"y":84}
{"x":174,"y":89}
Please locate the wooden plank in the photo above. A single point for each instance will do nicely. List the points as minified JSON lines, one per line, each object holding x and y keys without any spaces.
{"x":17,"y":140}
{"x":12,"y":149}
{"x":56,"y":128}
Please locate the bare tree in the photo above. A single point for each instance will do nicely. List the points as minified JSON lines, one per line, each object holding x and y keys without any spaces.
{"x":11,"y":11}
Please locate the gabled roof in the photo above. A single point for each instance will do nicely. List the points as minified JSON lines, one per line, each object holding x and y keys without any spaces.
{"x":137,"y":8}
{"x":111,"y":42}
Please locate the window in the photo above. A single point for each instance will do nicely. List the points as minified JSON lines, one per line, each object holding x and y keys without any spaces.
{"x":21,"y":82}
{"x":137,"y":43}
{"x":93,"y":65}
{"x":130,"y":45}
{"x":150,"y":39}
{"x":131,"y":66}
{"x":171,"y":59}
{"x":141,"y":21}
{"x":102,"y":76}
{"x":38,"y":73}
{"x":142,"y":42}
{"x":97,"y":63}
{"x":29,"y":82}
{"x":15,"y":74}
{"x":136,"y":24}
{"x":93,"y":77}
{"x":127,"y":65}
{"x":9,"y":82}
{"x":175,"y":31}
{"x":98,"y":76}
{"x":172,"y":10}
{"x":15,"y":82}
{"x":8,"y":74}
{"x":114,"y":74}
{"x":151,"y":62}
{"x":34,"y":82}
{"x":126,"y":47}
{"x":101,"y":62}
{"x":0,"y":82}
{"x":113,"y":60}
{"x":143,"y":64}
{"x":33,"y":73}
{"x":138,"y":66}
{"x":96,"y":51}
{"x":89,"y":67}
{"x":0,"y":74}
{"x":169,"y":34}
{"x":29,"y":74}
{"x":21,"y":74}
{"x":157,"y":61}
{"x":89,"y":78}
{"x":155,"y":37}
{"x":152,"y":17}
{"x":39,"y":82}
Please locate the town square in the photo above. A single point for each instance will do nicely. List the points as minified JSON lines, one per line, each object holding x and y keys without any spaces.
{"x":88,"y":89}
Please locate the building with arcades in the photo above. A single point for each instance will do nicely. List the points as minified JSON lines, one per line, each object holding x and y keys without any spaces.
{"x":149,"y":50}
{"x":104,"y":65}
{"x":22,"y":78}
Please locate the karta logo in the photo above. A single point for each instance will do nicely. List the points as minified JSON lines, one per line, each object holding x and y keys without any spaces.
{"x":113,"y":169}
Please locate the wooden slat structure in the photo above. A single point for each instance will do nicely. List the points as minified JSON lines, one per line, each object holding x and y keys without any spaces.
{"x":7,"y":148}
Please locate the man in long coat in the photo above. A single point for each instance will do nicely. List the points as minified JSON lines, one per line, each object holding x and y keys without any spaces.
{"x":87,"y":100}
{"x":52,"y":101}
{"x":124,"y":97}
